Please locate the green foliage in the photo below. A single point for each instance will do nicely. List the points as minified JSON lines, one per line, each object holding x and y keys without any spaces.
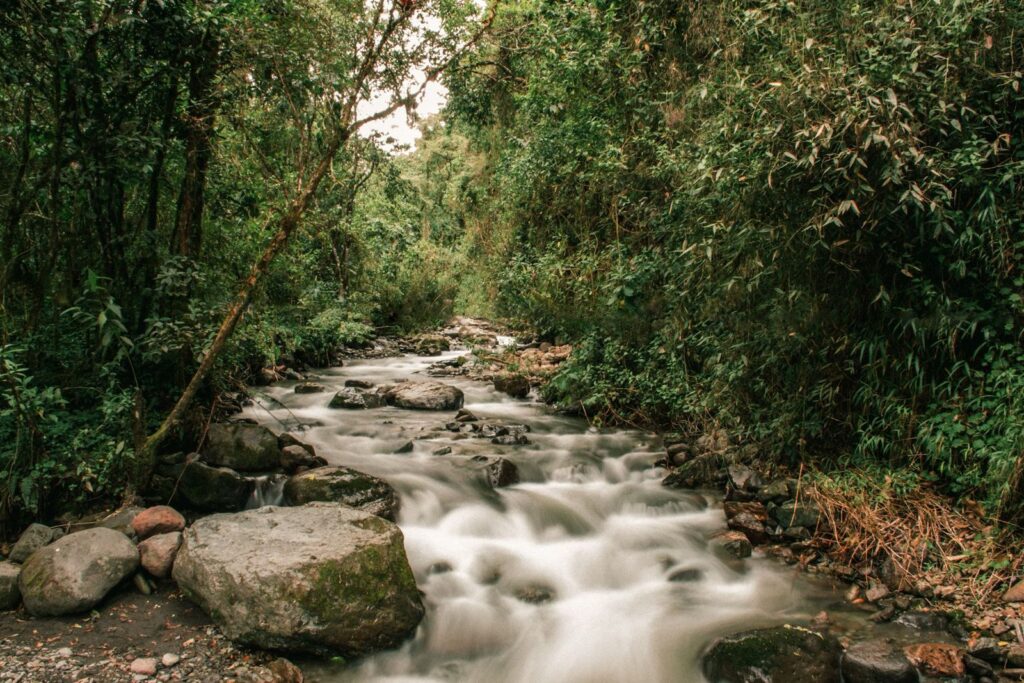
{"x":800,"y":221}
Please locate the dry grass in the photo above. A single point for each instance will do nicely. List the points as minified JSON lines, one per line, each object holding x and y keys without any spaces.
{"x":956,"y":552}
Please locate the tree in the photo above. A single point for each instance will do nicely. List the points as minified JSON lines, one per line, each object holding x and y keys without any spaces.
{"x":355,"y":53}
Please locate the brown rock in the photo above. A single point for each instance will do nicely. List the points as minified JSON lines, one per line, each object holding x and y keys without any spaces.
{"x":936,"y":659}
{"x":748,"y":518}
{"x":734,"y":543}
{"x":1015,"y":594}
{"x":876,"y":593}
{"x":157,"y":553}
{"x":734,"y":508}
{"x":160,"y":519}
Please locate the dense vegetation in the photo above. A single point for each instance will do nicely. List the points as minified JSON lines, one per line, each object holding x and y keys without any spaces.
{"x":799,"y":221}
{"x":155,"y":154}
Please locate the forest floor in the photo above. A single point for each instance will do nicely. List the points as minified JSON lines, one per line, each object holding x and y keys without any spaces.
{"x":101,"y":646}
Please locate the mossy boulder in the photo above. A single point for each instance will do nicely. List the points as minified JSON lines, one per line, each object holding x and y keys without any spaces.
{"x":213,"y":489}
{"x":323,"y":579}
{"x":242,"y":447}
{"x":783,"y":654}
{"x":74,"y":573}
{"x":338,"y":484}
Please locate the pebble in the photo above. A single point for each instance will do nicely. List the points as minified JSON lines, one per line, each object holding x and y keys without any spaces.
{"x":170,"y":659}
{"x":64,"y":652}
{"x":145,"y":666}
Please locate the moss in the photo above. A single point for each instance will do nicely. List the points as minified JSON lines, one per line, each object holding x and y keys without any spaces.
{"x":372,"y":577}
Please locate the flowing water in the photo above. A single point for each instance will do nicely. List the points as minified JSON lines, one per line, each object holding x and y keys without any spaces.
{"x":587,"y":570}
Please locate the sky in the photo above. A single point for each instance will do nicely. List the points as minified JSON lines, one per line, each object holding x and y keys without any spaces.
{"x":397,"y":125}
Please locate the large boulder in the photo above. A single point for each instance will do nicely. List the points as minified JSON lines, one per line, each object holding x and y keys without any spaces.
{"x":343,"y":485}
{"x":34,"y":537}
{"x":214,"y":489}
{"x":242,"y":447}
{"x":424,"y":396}
{"x":74,"y":573}
{"x":784,"y":654}
{"x":10,"y":594}
{"x":323,"y":579}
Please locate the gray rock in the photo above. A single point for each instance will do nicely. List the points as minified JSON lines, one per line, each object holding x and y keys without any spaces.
{"x":214,"y":489}
{"x":73,"y":574}
{"x":359,"y":383}
{"x":242,"y":447}
{"x":295,"y":457}
{"x":876,"y":661}
{"x":803,"y":514}
{"x":489,"y":470}
{"x":309,"y":388}
{"x":343,"y":485}
{"x":121,"y":520}
{"x":784,"y":654}
{"x":33,"y":538}
{"x":497,"y":471}
{"x":285,"y":439}
{"x":707,"y":470}
{"x":744,"y":479}
{"x":323,"y":579}
{"x":10,"y":594}
{"x":424,"y":396}
{"x":778,"y":491}
{"x":355,"y":399}
{"x":731,"y":543}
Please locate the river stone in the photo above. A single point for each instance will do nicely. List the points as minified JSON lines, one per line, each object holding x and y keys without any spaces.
{"x":338,"y":484}
{"x":515,"y":386}
{"x":359,"y":383}
{"x":309,"y":388}
{"x":74,"y":573}
{"x":355,"y":399}
{"x":159,"y":519}
{"x":707,"y":470}
{"x":497,"y":471}
{"x":783,"y":654}
{"x":731,"y":543}
{"x":214,"y":489}
{"x":876,"y":661}
{"x":10,"y":594}
{"x":157,"y":553}
{"x":424,"y":396}
{"x":295,"y":457}
{"x":285,"y":439}
{"x":431,"y":344}
{"x":803,"y":514}
{"x":323,"y":579}
{"x":33,"y":538}
{"x":242,"y":447}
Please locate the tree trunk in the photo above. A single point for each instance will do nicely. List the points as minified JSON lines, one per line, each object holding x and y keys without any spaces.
{"x":290,"y":220}
{"x":188,"y":224}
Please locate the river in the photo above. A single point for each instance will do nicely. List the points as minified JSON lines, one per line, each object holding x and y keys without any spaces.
{"x":587,"y":570}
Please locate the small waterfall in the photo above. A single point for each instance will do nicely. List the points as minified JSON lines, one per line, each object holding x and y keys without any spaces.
{"x":269,"y":490}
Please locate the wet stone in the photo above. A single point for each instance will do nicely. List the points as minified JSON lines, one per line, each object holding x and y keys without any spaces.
{"x":877,"y":661}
